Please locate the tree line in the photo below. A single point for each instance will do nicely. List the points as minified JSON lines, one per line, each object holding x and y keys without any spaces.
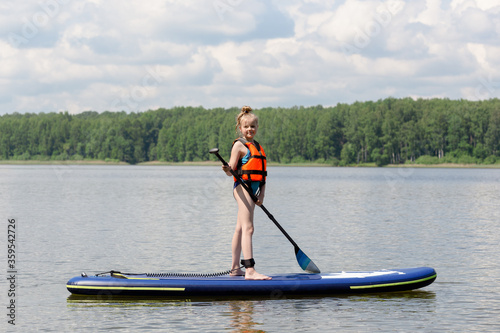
{"x":381,"y":132}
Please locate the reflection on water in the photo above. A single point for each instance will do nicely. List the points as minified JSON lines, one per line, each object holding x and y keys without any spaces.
{"x":239,"y":315}
{"x":114,"y":300}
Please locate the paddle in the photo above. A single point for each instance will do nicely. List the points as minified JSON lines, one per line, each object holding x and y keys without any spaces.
{"x":304,"y":262}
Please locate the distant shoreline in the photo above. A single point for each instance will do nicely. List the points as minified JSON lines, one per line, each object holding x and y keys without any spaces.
{"x":67,"y":162}
{"x":214,"y":163}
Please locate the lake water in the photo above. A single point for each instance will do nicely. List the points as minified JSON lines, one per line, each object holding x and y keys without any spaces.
{"x":71,"y":219}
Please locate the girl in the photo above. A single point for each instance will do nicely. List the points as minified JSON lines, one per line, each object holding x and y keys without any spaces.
{"x":249,"y":161}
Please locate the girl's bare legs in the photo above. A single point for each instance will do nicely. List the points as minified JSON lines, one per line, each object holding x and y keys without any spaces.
{"x":236,"y":250}
{"x":242,"y":238}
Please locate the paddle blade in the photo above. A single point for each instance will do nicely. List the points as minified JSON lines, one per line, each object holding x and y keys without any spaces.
{"x":305,"y":263}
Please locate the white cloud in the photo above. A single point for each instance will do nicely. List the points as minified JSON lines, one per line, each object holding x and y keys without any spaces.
{"x":134,"y":55}
{"x":485,"y":5}
{"x":476,"y":22}
{"x":433,"y":14}
{"x":349,"y":20}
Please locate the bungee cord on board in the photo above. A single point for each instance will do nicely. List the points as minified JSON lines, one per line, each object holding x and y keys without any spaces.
{"x":119,"y":274}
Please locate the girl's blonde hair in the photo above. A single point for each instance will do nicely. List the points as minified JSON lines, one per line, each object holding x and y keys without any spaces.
{"x":246,"y":111}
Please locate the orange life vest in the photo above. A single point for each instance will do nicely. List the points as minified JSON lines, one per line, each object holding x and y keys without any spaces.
{"x":255,"y":169}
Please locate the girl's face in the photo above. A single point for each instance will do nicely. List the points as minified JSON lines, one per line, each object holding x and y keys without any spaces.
{"x":248,"y":127}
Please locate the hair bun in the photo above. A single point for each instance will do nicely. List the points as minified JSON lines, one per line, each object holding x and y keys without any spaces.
{"x":246,"y":109}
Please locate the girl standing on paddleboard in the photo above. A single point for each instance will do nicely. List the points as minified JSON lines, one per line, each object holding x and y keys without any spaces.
{"x":249,"y":161}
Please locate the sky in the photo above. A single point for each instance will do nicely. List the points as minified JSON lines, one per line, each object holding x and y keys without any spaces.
{"x":133,"y":56}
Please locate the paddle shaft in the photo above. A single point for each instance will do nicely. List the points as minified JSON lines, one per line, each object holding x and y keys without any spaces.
{"x":255,"y":199}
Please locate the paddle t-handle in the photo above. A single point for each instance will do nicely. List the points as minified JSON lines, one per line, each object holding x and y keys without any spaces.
{"x":304,"y":261}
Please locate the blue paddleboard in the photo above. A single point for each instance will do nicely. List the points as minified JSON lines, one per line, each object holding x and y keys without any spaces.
{"x":387,"y":280}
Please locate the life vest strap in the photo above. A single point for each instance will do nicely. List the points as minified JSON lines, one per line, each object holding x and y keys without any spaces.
{"x":257,"y":156}
{"x":252,"y":172}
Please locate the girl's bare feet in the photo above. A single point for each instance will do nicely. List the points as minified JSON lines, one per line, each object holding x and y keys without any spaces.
{"x":237,"y":272}
{"x":251,"y":274}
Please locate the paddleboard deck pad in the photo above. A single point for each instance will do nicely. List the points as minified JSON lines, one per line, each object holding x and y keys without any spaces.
{"x":159,"y":284}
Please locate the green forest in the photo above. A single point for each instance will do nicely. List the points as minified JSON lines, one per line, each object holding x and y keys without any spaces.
{"x":388,"y":131}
